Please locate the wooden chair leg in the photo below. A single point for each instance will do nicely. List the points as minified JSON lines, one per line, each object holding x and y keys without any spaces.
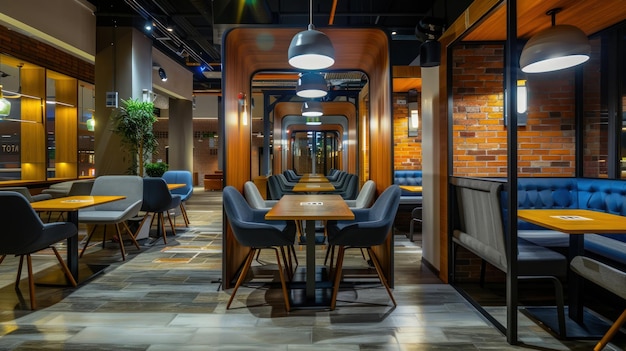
{"x":169,"y":217}
{"x":87,"y":241}
{"x":282,"y":278}
{"x":162,"y":224}
{"x":119,"y":235}
{"x":183,"y":211}
{"x":242,"y":275}
{"x":380,"y":274}
{"x":31,"y":282}
{"x":132,"y":237}
{"x":611,"y":333}
{"x":19,"y":272}
{"x":64,"y":267}
{"x":333,"y":301}
{"x":286,"y":262}
{"x":2,"y":258}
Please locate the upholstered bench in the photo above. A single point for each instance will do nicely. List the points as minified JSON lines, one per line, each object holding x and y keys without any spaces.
{"x":412,"y":178}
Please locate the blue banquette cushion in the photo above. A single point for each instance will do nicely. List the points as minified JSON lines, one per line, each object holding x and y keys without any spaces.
{"x":408,"y":177}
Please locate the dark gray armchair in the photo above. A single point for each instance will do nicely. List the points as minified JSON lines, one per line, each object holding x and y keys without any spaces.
{"x":24,"y":233}
{"x":370,"y":227}
{"x":250,"y":229}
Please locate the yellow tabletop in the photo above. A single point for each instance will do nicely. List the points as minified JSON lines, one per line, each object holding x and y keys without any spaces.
{"x":175,"y":185}
{"x":73,"y":203}
{"x":314,"y":178}
{"x":312,"y":187}
{"x":310,"y":207}
{"x":575,"y":221}
{"x":412,"y":188}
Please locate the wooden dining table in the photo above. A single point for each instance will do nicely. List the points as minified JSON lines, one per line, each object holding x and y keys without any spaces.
{"x":310,"y":208}
{"x":173,"y":186}
{"x":576,"y":223}
{"x":71,"y":205}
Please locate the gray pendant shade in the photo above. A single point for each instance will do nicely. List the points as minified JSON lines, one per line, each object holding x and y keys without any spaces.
{"x":555,"y":48}
{"x":311,"y":85}
{"x":312,"y":109}
{"x":311,"y":50}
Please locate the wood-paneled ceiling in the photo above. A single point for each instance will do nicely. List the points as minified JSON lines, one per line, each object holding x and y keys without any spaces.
{"x":591,"y":16}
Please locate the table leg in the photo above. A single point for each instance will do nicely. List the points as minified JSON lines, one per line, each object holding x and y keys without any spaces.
{"x":72,"y":246}
{"x":310,"y":259}
{"x":575,"y":283}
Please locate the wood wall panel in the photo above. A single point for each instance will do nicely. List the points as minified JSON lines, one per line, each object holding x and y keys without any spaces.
{"x":251,"y":50}
{"x":66,"y":128}
{"x":33,"y":135}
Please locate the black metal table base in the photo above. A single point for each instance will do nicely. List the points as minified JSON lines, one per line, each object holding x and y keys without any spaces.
{"x":323,"y":290}
{"x":593,"y":327}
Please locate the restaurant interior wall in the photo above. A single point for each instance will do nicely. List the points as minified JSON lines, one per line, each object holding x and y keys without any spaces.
{"x":407,"y":150}
{"x":546,"y":142}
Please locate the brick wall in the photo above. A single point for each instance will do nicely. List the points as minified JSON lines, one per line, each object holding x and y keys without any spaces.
{"x":545,"y":144}
{"x":407,"y":151}
{"x":41,"y":54}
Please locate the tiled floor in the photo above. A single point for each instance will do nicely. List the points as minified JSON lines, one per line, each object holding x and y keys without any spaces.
{"x":168,"y":297}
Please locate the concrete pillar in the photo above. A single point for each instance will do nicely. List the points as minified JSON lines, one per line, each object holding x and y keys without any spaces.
{"x":123,"y":65}
{"x":180,"y":130}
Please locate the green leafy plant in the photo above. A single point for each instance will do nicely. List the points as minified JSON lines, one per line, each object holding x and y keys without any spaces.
{"x":156,"y":169}
{"x":133,"y":122}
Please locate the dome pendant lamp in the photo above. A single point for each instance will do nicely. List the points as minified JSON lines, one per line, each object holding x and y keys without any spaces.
{"x":311,"y":85}
{"x":311,"y":49}
{"x":312,"y":109}
{"x":555,"y":48}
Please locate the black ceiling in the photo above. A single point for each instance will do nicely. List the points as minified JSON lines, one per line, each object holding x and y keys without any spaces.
{"x":197,"y":25}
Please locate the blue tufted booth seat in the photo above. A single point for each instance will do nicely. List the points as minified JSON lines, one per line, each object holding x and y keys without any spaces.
{"x":606,"y":195}
{"x":408,"y":177}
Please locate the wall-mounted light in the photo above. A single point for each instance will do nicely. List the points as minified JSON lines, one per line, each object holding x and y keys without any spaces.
{"x":311,"y":85}
{"x":91,"y":124}
{"x":244,"y":108}
{"x":555,"y":48}
{"x":522,"y":96}
{"x":162,"y":75}
{"x":311,"y":49}
{"x":5,"y":105}
{"x":413,"y":120}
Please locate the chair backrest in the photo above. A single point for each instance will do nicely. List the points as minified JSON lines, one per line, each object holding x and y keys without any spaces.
{"x":126,"y":185}
{"x":81,"y":187}
{"x":20,"y":223}
{"x":366,"y":195}
{"x":19,"y":189}
{"x":156,"y":195}
{"x":249,"y":226}
{"x":351,"y":189}
{"x":180,"y":177}
{"x":274,"y":188}
{"x":253,"y":196}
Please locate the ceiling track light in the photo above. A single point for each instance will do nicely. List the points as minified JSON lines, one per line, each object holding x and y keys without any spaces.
{"x":555,"y":48}
{"x":311,"y":85}
{"x":162,"y":75}
{"x":311,"y":49}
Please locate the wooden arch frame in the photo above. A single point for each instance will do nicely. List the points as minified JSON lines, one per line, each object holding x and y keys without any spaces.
{"x":249,"y":50}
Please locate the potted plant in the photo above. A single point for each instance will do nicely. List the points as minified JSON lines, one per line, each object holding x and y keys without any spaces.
{"x":156,"y":169}
{"x":133,"y":122}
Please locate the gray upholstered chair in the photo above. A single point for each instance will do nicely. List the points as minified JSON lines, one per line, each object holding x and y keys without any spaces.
{"x":370,"y":227}
{"x":254,"y":197}
{"x":25,"y":233}
{"x":24,"y":191}
{"x":365,"y":197}
{"x":114,"y":212}
{"x":157,"y":200}
{"x":250,"y":229}
{"x":181,"y":177}
{"x":609,"y":278}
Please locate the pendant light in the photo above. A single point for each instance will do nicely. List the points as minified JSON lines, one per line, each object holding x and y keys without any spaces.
{"x":311,"y":85}
{"x":5,"y":105}
{"x":311,"y":49}
{"x":555,"y":48}
{"x":312,"y":109}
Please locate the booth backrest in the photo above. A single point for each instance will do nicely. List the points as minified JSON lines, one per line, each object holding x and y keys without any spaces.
{"x":408,"y":177}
